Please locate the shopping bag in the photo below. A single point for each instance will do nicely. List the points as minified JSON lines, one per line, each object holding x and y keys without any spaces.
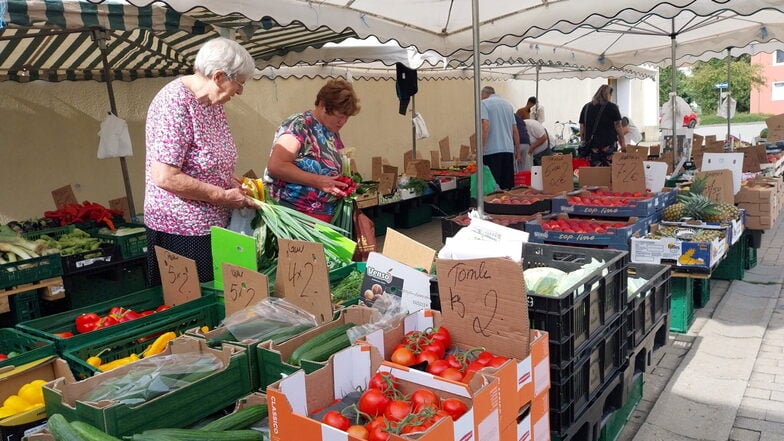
{"x":364,"y":235}
{"x":488,"y":182}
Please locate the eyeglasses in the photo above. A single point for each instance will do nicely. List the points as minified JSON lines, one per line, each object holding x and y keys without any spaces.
{"x":235,"y":81}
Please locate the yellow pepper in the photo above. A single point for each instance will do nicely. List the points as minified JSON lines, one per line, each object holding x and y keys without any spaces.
{"x":95,"y":360}
{"x":159,"y":344}
{"x":117,"y":363}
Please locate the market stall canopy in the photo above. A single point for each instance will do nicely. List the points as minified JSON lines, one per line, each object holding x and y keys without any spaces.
{"x":53,"y":40}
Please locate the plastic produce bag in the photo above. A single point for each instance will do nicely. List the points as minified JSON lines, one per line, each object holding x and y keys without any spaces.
{"x":388,"y":312}
{"x":488,"y":182}
{"x":265,"y":317}
{"x":241,"y":219}
{"x":155,"y":376}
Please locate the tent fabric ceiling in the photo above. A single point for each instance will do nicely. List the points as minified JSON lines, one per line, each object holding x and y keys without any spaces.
{"x":52,"y":40}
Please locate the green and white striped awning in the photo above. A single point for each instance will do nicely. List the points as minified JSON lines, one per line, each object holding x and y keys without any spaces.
{"x":55,"y":40}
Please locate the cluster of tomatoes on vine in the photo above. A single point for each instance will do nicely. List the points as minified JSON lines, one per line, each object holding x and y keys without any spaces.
{"x":383,"y":409}
{"x":431,"y":345}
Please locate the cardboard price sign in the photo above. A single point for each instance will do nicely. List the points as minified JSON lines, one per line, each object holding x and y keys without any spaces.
{"x":408,"y":251}
{"x":465,"y":153}
{"x":443,"y":146}
{"x":377,"y":163}
{"x":242,"y":287}
{"x":122,"y":205}
{"x":302,"y":277}
{"x":718,"y":185}
{"x":179,"y":277}
{"x":472,"y":142}
{"x":64,"y":196}
{"x":628,"y":173}
{"x":483,"y":304}
{"x":435,"y":159}
{"x":557,"y":173}
{"x":598,"y":176}
{"x":751,"y":163}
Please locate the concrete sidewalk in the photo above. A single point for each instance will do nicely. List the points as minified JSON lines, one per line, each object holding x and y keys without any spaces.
{"x":724,"y":379}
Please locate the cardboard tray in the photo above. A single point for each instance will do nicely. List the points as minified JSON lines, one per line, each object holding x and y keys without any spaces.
{"x":541,"y":206}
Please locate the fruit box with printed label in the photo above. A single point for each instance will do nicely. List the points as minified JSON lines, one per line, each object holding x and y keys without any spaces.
{"x":273,"y":358}
{"x":178,"y":408}
{"x":292,"y":399}
{"x":733,"y":229}
{"x":687,"y":255}
{"x":533,"y":424}
{"x":561,"y":229}
{"x":519,"y":380}
{"x":605,"y":203}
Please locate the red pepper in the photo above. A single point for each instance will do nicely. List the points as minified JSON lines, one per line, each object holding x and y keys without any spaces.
{"x":87,"y":322}
{"x":64,"y":334}
{"x":128,"y":316}
{"x":162,"y":308}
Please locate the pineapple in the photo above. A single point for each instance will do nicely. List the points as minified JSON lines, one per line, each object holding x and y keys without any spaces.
{"x":674,"y":212}
{"x":693,"y":204}
{"x":726,"y":212}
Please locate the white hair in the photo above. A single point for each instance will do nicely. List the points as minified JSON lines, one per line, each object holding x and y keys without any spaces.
{"x":222,"y":54}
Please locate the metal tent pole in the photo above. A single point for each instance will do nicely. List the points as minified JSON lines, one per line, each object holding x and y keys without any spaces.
{"x":480,"y":206}
{"x":729,"y":94}
{"x":538,"y":68}
{"x":413,"y":126}
{"x":673,"y":89}
{"x":99,"y":36}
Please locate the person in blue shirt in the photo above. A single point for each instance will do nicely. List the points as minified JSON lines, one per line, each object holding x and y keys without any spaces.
{"x":500,"y":137}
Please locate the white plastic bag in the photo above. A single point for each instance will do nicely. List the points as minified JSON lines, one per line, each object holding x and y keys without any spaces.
{"x":115,"y":141}
{"x":420,"y":126}
{"x":240,"y":221}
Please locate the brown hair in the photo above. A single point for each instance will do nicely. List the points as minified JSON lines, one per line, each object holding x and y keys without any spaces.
{"x":602,"y":95}
{"x":338,"y":95}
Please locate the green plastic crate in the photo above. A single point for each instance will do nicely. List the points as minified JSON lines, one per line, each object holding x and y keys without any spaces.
{"x":25,"y":306}
{"x":29,"y":347}
{"x":132,"y":245}
{"x":54,"y":233}
{"x":414,"y":216}
{"x":750,"y":254}
{"x":701,"y":292}
{"x":613,"y":424}
{"x":144,"y":300}
{"x":681,"y":304}
{"x":383,"y":220}
{"x":30,"y":270}
{"x":135,"y":340}
{"x":732,"y":267}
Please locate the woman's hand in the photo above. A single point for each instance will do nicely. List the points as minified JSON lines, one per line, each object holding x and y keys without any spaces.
{"x":235,"y":198}
{"x":331,"y":185}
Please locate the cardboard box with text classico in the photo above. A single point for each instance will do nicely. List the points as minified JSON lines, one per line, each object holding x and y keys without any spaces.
{"x":534,"y":422}
{"x":295,"y":397}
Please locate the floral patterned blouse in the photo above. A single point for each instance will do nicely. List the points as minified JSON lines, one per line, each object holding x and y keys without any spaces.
{"x":319,"y":153}
{"x":196,"y":138}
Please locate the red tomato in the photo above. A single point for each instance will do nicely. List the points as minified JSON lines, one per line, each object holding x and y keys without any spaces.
{"x":452,"y":374}
{"x":454,"y":407}
{"x":444,"y":336}
{"x":377,"y":433}
{"x":412,"y":429}
{"x":426,"y":356}
{"x":359,"y":432}
{"x":453,"y":363}
{"x":336,"y":419}
{"x":435,"y":347}
{"x":484,"y":357}
{"x":373,"y":402}
{"x":383,"y":381}
{"x":437,"y":367}
{"x":403,"y":356}
{"x":497,"y":361}
{"x":424,"y":398}
{"x":397,"y":410}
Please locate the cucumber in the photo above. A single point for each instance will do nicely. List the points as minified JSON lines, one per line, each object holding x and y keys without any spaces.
{"x":324,"y":350}
{"x":61,"y":430}
{"x":286,"y":333}
{"x":91,"y":432}
{"x":218,"y":340}
{"x":319,"y":340}
{"x":241,"y":419}
{"x":200,"y":435}
{"x":157,"y":437}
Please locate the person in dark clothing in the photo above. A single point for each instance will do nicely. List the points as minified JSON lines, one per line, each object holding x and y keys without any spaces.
{"x":521,"y":158}
{"x":600,"y":128}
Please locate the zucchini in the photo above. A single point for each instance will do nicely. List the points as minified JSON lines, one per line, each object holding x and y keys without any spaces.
{"x":91,"y":432}
{"x":241,"y":419}
{"x":61,"y":430}
{"x":200,"y":435}
{"x":318,"y":341}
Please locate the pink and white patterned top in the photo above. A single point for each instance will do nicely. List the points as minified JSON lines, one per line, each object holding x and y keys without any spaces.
{"x":196,"y":138}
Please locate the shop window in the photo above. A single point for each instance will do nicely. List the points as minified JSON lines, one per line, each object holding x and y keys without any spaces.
{"x":778,"y":57}
{"x":778,"y":91}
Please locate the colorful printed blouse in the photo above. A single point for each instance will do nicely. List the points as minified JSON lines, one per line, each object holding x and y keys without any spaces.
{"x":196,"y":138}
{"x":319,"y":153}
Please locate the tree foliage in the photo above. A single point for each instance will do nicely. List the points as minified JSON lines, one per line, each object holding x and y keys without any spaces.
{"x":665,"y":84}
{"x":744,"y":76}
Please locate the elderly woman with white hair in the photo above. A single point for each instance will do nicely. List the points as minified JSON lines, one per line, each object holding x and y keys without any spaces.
{"x":191,"y":157}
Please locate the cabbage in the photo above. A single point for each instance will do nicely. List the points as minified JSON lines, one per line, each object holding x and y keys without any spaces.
{"x":633,"y":284}
{"x":543,"y":280}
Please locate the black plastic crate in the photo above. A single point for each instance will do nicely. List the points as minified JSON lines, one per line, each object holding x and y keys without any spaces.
{"x":576,"y":317}
{"x":575,"y":386}
{"x":543,"y":205}
{"x":105,"y":282}
{"x":649,"y":303}
{"x":25,"y":306}
{"x":452,"y":224}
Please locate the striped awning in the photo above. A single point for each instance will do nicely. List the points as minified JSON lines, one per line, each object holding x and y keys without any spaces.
{"x":59,"y":40}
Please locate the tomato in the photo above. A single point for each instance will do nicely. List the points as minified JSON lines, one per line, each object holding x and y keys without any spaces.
{"x":483,"y":358}
{"x":377,"y":433}
{"x":443,"y":336}
{"x":424,"y":398}
{"x":403,"y":356}
{"x":426,"y":356}
{"x":435,"y":347}
{"x":383,"y":381}
{"x":453,"y":362}
{"x":87,"y":322}
{"x":452,"y":374}
{"x":413,"y":429}
{"x":397,"y":410}
{"x":497,"y":361}
{"x":336,"y":419}
{"x":359,"y":432}
{"x":437,"y":367}
{"x":454,"y":407}
{"x":373,"y":402}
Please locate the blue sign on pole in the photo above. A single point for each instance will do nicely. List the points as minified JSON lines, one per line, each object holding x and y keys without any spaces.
{"x":723,"y":85}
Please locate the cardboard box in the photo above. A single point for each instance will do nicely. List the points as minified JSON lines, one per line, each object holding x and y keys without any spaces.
{"x":670,"y":249}
{"x":391,"y":198}
{"x":292,"y":399}
{"x":272,"y":358}
{"x":759,"y":222}
{"x":369,"y":199}
{"x":179,"y":408}
{"x":446,"y":183}
{"x":519,"y":380}
{"x":533,"y":424}
{"x":408,"y":193}
{"x":612,"y":237}
{"x":11,"y":379}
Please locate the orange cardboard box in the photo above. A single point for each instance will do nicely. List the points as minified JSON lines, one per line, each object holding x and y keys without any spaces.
{"x":519,"y":381}
{"x":534,"y":422}
{"x":293,"y":398}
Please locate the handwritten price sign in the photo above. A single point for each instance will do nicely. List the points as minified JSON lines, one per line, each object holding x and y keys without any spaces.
{"x":242,"y":287}
{"x":483,"y":302}
{"x":179,"y":277}
{"x":557,"y":173}
{"x":628,"y":173}
{"x":302,"y":277}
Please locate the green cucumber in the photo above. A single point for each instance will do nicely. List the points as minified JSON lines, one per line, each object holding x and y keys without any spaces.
{"x":218,"y":340}
{"x":288,"y":332}
{"x":61,"y":430}
{"x":200,"y":435}
{"x":317,"y":341}
{"x":324,"y":350}
{"x":241,"y":419}
{"x":91,"y":432}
